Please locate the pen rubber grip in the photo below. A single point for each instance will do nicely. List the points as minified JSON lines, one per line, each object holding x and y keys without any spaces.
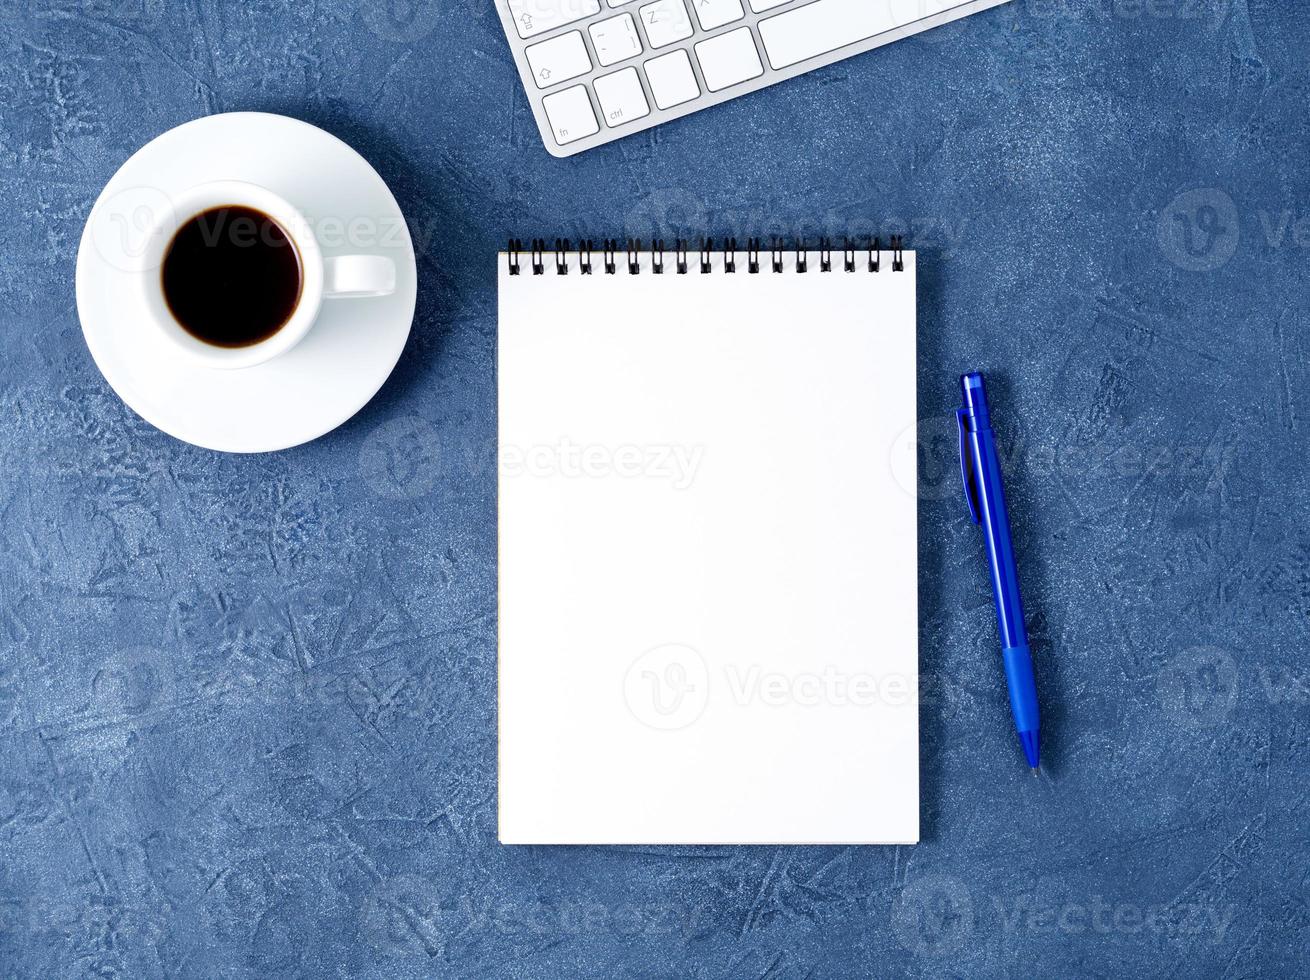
{"x":1023,"y":688}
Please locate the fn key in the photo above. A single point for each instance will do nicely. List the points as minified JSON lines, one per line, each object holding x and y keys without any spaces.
{"x":570,"y":114}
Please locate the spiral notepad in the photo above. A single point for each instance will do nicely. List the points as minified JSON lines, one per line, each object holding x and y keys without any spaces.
{"x":707,"y":520}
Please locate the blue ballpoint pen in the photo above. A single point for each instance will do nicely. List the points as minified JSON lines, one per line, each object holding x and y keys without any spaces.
{"x":981,"y":469}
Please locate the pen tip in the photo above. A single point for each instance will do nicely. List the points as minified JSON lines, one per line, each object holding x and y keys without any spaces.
{"x":1036,"y":771}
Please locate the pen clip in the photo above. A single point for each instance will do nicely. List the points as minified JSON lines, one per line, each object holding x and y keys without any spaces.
{"x":966,"y":467}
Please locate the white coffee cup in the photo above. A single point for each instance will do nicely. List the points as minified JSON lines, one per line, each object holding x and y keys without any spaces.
{"x":334,"y":277}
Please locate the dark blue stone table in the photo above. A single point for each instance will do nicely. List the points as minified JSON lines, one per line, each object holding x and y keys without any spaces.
{"x":247,"y":705}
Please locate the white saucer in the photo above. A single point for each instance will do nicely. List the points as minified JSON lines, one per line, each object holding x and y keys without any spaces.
{"x":306,"y":392}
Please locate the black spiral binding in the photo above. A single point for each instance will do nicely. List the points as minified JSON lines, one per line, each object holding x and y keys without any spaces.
{"x":610,"y":248}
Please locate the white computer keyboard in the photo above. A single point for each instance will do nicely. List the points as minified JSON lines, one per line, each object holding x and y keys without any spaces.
{"x":597,"y":70}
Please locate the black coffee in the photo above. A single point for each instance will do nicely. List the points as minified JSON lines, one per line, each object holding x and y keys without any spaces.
{"x":232,"y":276}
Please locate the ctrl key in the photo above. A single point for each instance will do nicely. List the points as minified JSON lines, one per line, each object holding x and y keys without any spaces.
{"x":621,"y":97}
{"x":570,"y":114}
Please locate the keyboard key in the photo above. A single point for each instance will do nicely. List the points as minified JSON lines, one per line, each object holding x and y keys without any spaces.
{"x":826,"y":25}
{"x":621,"y":97}
{"x":759,"y":6}
{"x":666,"y":21}
{"x":570,"y":114}
{"x":730,"y":58}
{"x":615,"y":39}
{"x":716,"y":13}
{"x":559,"y":59}
{"x":672,"y":81}
{"x":533,"y":17}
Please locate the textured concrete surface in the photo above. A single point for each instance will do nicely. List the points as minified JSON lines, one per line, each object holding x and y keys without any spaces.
{"x":247,"y":704}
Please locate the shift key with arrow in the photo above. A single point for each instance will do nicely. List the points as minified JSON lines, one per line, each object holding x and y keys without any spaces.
{"x":559,"y":59}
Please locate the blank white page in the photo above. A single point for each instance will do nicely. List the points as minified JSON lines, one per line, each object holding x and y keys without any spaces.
{"x":708,"y":569}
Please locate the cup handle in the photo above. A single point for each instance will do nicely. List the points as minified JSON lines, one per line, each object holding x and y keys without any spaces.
{"x":358,"y":276}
